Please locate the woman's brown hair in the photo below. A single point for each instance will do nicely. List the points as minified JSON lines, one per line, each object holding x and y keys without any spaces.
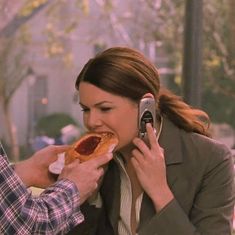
{"x":126,"y":72}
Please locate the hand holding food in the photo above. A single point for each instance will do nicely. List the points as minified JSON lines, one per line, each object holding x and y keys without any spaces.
{"x":89,"y":146}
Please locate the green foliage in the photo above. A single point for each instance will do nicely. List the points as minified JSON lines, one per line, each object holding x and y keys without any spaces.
{"x":220,"y":107}
{"x":51,"y":124}
{"x":30,"y":6}
{"x":218,"y":62}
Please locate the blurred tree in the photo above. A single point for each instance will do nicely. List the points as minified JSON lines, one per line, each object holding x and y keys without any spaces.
{"x":14,"y":41}
{"x":156,"y":27}
{"x":161,"y":22}
{"x":219,"y":61}
{"x":12,"y":74}
{"x":29,"y":10}
{"x":13,"y":70}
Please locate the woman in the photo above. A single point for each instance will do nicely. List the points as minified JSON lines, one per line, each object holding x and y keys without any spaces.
{"x":180,"y":181}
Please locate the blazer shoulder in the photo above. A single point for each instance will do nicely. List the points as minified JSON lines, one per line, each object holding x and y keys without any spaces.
{"x":208,"y":148}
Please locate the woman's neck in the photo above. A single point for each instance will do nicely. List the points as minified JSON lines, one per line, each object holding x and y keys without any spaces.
{"x":126,"y":153}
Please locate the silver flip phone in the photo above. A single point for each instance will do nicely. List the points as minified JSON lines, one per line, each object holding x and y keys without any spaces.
{"x":147,"y":114}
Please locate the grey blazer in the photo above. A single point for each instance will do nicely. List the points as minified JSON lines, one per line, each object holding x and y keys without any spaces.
{"x":200,"y":175}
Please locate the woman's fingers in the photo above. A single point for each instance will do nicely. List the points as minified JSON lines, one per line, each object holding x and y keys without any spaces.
{"x":138,"y":156}
{"x":147,"y":154}
{"x":152,"y":139}
{"x":141,"y":145}
{"x":153,"y":143}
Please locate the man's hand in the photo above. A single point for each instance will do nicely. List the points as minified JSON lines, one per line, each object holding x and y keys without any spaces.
{"x":86,"y":175}
{"x":34,"y":171}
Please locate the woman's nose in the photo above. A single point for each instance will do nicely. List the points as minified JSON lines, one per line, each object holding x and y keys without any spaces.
{"x":93,"y":120}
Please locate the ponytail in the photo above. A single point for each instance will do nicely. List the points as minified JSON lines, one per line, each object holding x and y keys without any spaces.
{"x":182,"y":115}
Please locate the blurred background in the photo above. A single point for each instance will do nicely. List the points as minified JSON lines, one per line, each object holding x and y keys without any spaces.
{"x":45,"y":43}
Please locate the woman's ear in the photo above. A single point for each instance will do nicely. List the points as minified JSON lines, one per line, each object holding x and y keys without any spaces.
{"x":148,"y":95}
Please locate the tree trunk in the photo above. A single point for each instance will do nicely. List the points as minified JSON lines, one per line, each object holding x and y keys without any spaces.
{"x":11,"y":134}
{"x":192,"y":63}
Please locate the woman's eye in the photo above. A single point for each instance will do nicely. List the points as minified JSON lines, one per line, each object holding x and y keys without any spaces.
{"x":84,"y":110}
{"x":105,"y":109}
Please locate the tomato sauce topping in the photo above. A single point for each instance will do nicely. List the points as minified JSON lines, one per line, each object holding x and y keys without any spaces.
{"x":88,"y":146}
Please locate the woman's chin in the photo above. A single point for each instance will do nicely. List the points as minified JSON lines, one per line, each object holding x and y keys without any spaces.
{"x":127,"y":149}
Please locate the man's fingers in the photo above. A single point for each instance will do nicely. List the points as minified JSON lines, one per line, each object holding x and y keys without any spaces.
{"x":100,"y":172}
{"x":73,"y":163}
{"x":102,"y":160}
{"x":60,"y":148}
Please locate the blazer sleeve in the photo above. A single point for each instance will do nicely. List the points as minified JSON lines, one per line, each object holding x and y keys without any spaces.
{"x":212,"y":210}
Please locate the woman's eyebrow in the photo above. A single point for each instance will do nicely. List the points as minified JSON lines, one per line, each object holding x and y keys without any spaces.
{"x":97,"y":104}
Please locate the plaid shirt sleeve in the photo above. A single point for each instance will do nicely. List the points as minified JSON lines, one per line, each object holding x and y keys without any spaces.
{"x":55,"y":211}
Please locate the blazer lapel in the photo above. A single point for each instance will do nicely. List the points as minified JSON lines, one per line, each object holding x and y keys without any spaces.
{"x":170,"y":141}
{"x":147,"y":210}
{"x":110,"y":192}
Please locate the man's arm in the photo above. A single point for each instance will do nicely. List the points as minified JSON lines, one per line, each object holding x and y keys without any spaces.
{"x":56,"y":210}
{"x":47,"y":214}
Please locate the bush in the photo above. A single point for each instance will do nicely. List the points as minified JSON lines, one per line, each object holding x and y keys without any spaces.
{"x":51,"y":125}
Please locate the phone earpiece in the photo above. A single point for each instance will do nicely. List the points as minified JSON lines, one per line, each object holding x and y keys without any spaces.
{"x":147,"y":114}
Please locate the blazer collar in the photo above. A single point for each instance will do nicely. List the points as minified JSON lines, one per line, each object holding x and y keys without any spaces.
{"x":110,"y":192}
{"x":169,"y":140}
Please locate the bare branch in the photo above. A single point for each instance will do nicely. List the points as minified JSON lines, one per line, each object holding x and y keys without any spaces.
{"x":11,"y":28}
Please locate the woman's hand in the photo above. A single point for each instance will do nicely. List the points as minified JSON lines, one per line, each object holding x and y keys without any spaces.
{"x":149,"y":164}
{"x":34,"y":171}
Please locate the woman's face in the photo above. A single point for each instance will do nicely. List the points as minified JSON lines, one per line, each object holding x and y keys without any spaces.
{"x":103,"y":111}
